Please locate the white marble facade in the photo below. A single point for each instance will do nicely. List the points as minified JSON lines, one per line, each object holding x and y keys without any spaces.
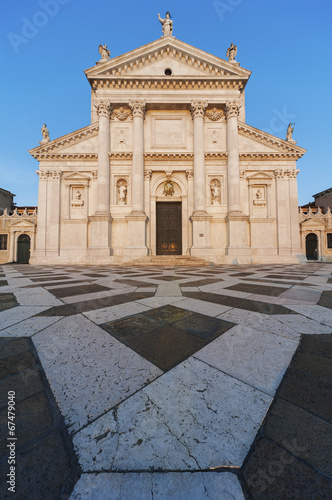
{"x":167,"y":125}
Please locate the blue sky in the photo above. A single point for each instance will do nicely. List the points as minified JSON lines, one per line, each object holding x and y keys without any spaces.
{"x":45,"y":46}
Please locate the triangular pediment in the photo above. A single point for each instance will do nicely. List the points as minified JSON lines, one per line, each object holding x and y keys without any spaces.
{"x":168,"y":52}
{"x":260,"y":176}
{"x":313,"y":224}
{"x":23,"y":223}
{"x":81,"y":142}
{"x":255,"y":141}
{"x":77,"y":176}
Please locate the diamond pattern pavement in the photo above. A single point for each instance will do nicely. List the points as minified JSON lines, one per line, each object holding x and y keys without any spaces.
{"x":160,"y":372}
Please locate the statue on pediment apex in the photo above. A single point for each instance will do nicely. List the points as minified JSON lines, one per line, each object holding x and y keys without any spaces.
{"x":104,"y":52}
{"x":289,"y":133}
{"x":231,"y":52}
{"x":45,"y":134}
{"x":167,"y":24}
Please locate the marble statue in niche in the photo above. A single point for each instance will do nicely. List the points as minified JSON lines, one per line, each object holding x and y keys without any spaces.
{"x":215,"y":188}
{"x":259,"y":198}
{"x":122,"y":192}
{"x":77,"y":200}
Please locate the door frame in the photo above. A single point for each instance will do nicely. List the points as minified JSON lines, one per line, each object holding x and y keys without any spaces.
{"x":317,"y":245}
{"x":170,"y":202}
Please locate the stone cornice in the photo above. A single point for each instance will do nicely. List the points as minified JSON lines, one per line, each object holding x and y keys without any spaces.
{"x":171,"y":47}
{"x":173,"y":83}
{"x":168,"y":156}
{"x":65,"y":140}
{"x":270,"y":140}
{"x":219,"y":155}
{"x":120,"y":155}
{"x":268,"y":155}
{"x":65,"y":156}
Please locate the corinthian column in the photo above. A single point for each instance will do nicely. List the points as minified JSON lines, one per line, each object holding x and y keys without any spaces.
{"x":233,"y":165}
{"x":138,"y":109}
{"x":198,"y":109}
{"x":104,"y":111}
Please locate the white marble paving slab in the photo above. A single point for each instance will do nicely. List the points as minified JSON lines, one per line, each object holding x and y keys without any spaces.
{"x":18,"y":282}
{"x":154,"y":302}
{"x":190,"y":289}
{"x":59,"y":284}
{"x":157,"y":486}
{"x":97,"y":295}
{"x":262,"y":322}
{"x":36,"y":297}
{"x":193,"y":417}
{"x":315,"y":312}
{"x":301,"y":324}
{"x":29,"y":327}
{"x":257,"y":358}
{"x":88,"y":370}
{"x":17,"y":314}
{"x":100,"y":316}
{"x":302,"y":293}
{"x":203,"y":307}
{"x":168,"y":290}
{"x":146,"y":289}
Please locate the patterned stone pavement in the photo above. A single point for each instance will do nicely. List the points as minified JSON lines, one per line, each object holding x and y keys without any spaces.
{"x":179,"y":383}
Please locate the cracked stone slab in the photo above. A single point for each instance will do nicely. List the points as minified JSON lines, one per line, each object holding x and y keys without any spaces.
{"x":257,"y":358}
{"x":192,"y":418}
{"x":88,"y":370}
{"x":156,"y":486}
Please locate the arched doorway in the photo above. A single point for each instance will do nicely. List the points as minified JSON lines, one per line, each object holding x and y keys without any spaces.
{"x":23,"y":249}
{"x":311,"y":246}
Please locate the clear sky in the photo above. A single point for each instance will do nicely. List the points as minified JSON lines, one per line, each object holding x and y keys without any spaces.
{"x":47,"y":44}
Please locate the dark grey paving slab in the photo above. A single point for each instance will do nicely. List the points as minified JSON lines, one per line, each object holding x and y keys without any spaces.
{"x":272,"y":473}
{"x":7,"y":301}
{"x":317,"y":365}
{"x":272,"y":291}
{"x":167,"y":314}
{"x":46,"y":466}
{"x":92,"y":305}
{"x":128,"y":329}
{"x":303,"y":434}
{"x":77,"y":290}
{"x":202,"y":282}
{"x":326,"y":299}
{"x":320,"y":344}
{"x":204,"y":327}
{"x":249,"y":305}
{"x":286,"y":277}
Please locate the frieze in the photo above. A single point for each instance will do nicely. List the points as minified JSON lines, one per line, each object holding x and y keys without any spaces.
{"x":147,"y":83}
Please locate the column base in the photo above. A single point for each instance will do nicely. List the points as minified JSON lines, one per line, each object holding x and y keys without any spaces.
{"x":99,"y":235}
{"x":136,"y":235}
{"x":238,"y":234}
{"x":201,"y":223}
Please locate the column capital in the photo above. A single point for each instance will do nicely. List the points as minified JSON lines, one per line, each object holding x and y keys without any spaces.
{"x":189,"y":174}
{"x":138,"y":108}
{"x":147,"y":175}
{"x":104,"y":108}
{"x":198,"y":108}
{"x":232,"y":109}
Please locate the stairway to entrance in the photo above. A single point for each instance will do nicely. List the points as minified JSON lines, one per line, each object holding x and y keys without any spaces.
{"x":168,"y":260}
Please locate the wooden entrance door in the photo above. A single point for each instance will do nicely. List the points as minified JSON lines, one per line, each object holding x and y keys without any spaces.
{"x":169,"y":228}
{"x":311,"y":246}
{"x":23,"y":249}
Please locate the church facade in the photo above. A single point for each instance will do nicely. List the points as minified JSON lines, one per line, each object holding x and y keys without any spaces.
{"x":168,"y":166}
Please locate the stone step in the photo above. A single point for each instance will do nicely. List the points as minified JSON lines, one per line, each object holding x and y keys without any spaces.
{"x":168,"y":260}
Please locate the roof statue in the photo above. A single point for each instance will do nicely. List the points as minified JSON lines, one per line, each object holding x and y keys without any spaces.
{"x":167,"y":24}
{"x":231,"y":52}
{"x":289,"y":133}
{"x":45,"y":134}
{"x":104,"y":52}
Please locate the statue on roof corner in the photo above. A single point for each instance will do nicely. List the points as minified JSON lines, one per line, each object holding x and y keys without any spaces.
{"x":45,"y":134}
{"x":231,"y":52}
{"x":167,"y":24}
{"x":104,"y":52}
{"x":289,"y":133}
